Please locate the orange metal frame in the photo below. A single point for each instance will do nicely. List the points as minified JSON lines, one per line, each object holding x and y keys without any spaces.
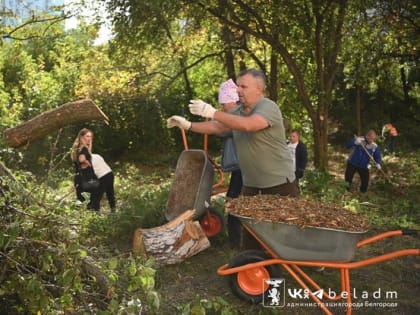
{"x":305,"y":281}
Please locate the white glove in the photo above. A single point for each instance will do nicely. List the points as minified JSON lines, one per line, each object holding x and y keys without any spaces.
{"x":198,"y":107}
{"x":358,"y":140}
{"x":178,"y":121}
{"x":378,"y":166}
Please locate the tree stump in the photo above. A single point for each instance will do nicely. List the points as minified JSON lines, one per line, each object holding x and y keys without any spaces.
{"x":173,"y":242}
{"x":54,"y":119}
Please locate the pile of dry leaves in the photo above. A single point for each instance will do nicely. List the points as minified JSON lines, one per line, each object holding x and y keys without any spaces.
{"x":299,"y":211}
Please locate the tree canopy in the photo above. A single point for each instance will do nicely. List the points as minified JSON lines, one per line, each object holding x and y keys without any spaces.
{"x":335,"y":68}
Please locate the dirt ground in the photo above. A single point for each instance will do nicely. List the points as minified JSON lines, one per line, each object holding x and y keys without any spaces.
{"x":400,"y":279}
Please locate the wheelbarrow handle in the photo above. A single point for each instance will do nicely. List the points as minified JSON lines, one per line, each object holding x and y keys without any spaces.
{"x":384,"y":235}
{"x":409,"y":232}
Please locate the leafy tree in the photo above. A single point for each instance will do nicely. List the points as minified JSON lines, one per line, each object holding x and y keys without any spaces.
{"x":379,"y":54}
{"x":305,"y":34}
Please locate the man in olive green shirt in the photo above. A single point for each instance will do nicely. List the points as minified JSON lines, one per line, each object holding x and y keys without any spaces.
{"x":260,"y":139}
{"x":259,"y":135}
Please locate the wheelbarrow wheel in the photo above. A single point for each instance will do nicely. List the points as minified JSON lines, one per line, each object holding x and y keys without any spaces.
{"x":249,"y":285}
{"x":212,"y":222}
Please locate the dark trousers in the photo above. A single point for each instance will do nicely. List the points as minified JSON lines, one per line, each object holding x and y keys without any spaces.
{"x":94,"y":202}
{"x":78,"y":188}
{"x":106,"y":186}
{"x":363,"y":174}
{"x":390,"y":144}
{"x":235,"y":184}
{"x":233,"y":223}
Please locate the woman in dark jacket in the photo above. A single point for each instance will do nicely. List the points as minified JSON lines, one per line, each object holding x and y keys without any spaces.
{"x":299,"y":153}
{"x":81,"y":155}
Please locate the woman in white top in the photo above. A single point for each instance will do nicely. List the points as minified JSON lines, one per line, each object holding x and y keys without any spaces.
{"x":106,"y":177}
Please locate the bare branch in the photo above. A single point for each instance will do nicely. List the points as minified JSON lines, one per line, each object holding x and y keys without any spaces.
{"x":35,"y":20}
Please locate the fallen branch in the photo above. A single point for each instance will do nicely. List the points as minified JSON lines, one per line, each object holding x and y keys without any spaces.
{"x":88,"y":265}
{"x":54,"y":119}
{"x":4,"y":171}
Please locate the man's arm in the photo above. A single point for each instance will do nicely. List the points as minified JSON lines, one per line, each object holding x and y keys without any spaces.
{"x":211,"y":127}
{"x":250,"y":123}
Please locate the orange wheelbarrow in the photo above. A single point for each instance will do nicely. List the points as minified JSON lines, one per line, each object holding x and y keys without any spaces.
{"x":193,"y":187}
{"x":292,"y":247}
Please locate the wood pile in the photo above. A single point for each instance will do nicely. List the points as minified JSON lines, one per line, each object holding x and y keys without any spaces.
{"x":298,"y":211}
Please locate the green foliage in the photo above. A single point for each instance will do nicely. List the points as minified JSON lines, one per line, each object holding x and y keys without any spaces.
{"x":391,"y":201}
{"x":141,"y":203}
{"x":321,"y":185}
{"x":199,"y":306}
{"x":49,"y":249}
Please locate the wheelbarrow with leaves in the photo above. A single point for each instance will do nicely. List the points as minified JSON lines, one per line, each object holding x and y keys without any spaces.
{"x":292,"y":247}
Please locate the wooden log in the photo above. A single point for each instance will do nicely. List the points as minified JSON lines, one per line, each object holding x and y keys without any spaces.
{"x":54,"y":119}
{"x":173,"y":242}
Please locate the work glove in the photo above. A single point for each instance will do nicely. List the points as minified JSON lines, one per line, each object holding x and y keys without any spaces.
{"x":358,"y":140}
{"x":198,"y":107}
{"x":378,"y":166}
{"x":178,"y":121}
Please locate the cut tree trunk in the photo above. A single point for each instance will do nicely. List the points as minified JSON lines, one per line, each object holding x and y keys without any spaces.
{"x":173,"y":242}
{"x":54,"y":119}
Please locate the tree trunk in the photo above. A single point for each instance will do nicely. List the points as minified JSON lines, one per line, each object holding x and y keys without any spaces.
{"x":320,"y":131}
{"x":228,"y":38}
{"x":405,"y":87}
{"x":173,"y":242}
{"x":274,"y":95}
{"x":54,"y":119}
{"x":359,"y":110}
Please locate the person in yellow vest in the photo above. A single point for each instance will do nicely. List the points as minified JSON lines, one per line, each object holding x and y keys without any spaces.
{"x":389,"y":132}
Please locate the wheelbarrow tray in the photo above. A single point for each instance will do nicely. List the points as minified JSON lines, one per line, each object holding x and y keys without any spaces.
{"x":192,"y":185}
{"x":291,"y":242}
